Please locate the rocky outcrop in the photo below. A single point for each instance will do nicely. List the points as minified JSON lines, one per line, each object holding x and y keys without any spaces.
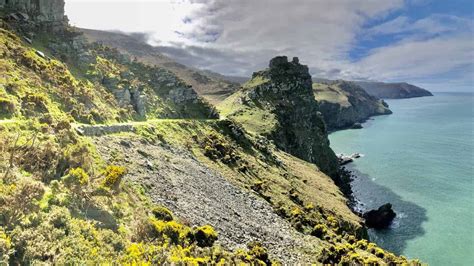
{"x":37,"y":10}
{"x":344,"y":104}
{"x":393,"y":90}
{"x":182,"y":95}
{"x":212,"y":86}
{"x":283,"y":98}
{"x":380,"y":218}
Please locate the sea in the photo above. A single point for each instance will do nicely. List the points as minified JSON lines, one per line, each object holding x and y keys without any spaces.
{"x":420,"y":159}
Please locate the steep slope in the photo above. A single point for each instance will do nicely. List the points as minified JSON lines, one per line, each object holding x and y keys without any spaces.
{"x":344,"y":103}
{"x":60,"y":202}
{"x":212,"y":86}
{"x":393,"y":90}
{"x":279,"y":103}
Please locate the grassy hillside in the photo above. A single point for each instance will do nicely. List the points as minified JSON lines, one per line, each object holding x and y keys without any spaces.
{"x":344,"y":103}
{"x":180,"y":186}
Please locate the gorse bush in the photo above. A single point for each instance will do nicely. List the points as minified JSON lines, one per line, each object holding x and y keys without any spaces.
{"x":171,"y":232}
{"x":113,"y":175}
{"x":5,"y":247}
{"x":76,"y":177}
{"x":162,"y":213}
{"x":319,"y":230}
{"x":205,"y":236}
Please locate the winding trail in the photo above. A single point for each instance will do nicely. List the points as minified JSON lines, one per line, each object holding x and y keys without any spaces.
{"x":113,"y":128}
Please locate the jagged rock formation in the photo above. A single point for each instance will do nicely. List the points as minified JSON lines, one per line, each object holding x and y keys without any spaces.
{"x":282,"y":98}
{"x":393,"y":90}
{"x":38,"y":10}
{"x":345,"y":104}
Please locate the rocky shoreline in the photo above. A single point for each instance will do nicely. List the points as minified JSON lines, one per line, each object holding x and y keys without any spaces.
{"x":380,"y":218}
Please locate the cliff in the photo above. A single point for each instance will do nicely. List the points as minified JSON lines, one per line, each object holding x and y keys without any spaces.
{"x":344,"y":104}
{"x":393,"y":90}
{"x":279,"y":103}
{"x":37,"y":10}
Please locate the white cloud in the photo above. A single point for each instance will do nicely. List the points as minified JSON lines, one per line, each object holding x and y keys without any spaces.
{"x":237,"y":37}
{"x":431,"y":25}
{"x":162,"y":18}
{"x":415,"y":59}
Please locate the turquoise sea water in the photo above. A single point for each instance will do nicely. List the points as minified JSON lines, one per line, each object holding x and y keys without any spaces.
{"x":420,"y":159}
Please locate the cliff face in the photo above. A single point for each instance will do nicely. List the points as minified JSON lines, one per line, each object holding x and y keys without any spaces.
{"x":344,"y":103}
{"x":393,"y":90}
{"x":279,"y":103}
{"x":38,"y":10}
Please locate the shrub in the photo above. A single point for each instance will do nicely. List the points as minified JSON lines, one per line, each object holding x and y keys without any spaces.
{"x":319,"y":230}
{"x":257,"y":251}
{"x":34,"y":104}
{"x":172,"y":231}
{"x":257,"y":186}
{"x":162,"y":213}
{"x":113,"y":176}
{"x":362,"y":244}
{"x":205,"y":236}
{"x":77,"y":153}
{"x":59,"y":217}
{"x":5,"y":247}
{"x":309,"y":207}
{"x":19,"y":200}
{"x":332,"y":221}
{"x":218,"y":148}
{"x":76,"y":177}
{"x":7,"y":107}
{"x":379,"y":252}
{"x":296,"y":212}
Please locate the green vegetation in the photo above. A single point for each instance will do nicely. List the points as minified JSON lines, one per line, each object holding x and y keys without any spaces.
{"x":205,"y":236}
{"x":162,"y":213}
{"x":333,"y":94}
{"x":60,"y":203}
{"x":286,"y":182}
{"x":63,"y":203}
{"x":344,"y":103}
{"x":68,"y":218}
{"x":113,"y":175}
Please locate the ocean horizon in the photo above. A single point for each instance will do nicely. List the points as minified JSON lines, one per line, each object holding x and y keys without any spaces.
{"x":420,"y":159}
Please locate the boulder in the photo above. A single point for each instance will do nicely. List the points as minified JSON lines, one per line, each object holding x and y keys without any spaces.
{"x":380,"y":218}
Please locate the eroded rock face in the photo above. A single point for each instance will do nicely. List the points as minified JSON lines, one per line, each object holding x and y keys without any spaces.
{"x":181,"y":95}
{"x":380,"y":218}
{"x":38,"y":10}
{"x":301,"y":130}
{"x":347,"y":105}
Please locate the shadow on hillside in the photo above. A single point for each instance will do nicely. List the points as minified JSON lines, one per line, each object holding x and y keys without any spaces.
{"x":406,"y":226}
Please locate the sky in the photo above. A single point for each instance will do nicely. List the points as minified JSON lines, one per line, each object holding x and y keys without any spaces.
{"x":429,"y":43}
